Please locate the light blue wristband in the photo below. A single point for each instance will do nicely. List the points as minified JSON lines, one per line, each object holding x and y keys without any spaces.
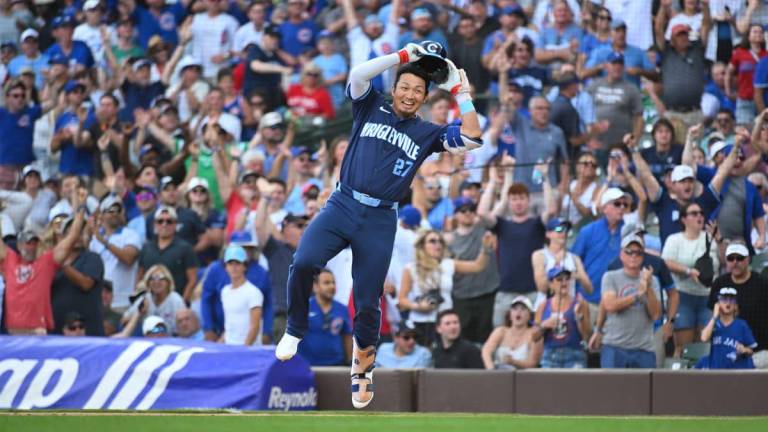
{"x":466,"y":107}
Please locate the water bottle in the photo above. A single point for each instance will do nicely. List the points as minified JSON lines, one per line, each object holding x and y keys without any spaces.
{"x":537,"y":177}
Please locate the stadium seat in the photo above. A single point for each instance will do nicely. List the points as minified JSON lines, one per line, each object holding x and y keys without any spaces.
{"x":676,"y":363}
{"x":694,"y":351}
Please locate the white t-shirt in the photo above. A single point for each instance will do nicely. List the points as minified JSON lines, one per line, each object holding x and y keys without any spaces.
{"x":165,"y":310}
{"x":684,"y":251}
{"x":212,"y":36}
{"x":245,"y":35}
{"x":637,"y":15}
{"x":360,"y":47}
{"x":237,"y":303}
{"x":91,"y":36}
{"x":446,"y":286}
{"x":122,"y":276}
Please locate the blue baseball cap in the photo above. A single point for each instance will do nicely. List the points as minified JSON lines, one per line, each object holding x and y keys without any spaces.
{"x":618,"y":23}
{"x":300,"y":150}
{"x":513,"y":10}
{"x":462,"y":203}
{"x":242,"y":238}
{"x":235,"y":253}
{"x":373,"y":19}
{"x":729,"y":148}
{"x":420,"y":13}
{"x":556,"y":223}
{"x":73,"y":85}
{"x":557,"y":271}
{"x":615,"y":57}
{"x":58,"y":59}
{"x":63,"y":20}
{"x":410,"y":216}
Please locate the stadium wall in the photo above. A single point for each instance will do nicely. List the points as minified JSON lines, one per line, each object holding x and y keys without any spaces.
{"x":561,"y":392}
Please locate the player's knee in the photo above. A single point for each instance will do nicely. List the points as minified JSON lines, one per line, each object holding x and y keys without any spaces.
{"x":305,"y":264}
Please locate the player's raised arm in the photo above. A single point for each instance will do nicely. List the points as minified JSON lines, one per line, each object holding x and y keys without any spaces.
{"x":468,"y":136}
{"x":361,"y":75}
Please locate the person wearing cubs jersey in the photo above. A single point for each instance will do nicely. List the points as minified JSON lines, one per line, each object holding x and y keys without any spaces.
{"x":387,"y":145}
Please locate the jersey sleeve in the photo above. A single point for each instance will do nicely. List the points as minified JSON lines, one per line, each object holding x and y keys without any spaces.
{"x":364,"y":103}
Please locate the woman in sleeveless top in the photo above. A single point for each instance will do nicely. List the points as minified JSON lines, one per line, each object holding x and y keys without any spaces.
{"x":426,"y":285}
{"x":577,"y":204}
{"x":555,"y":254}
{"x":511,"y":346}
{"x":563,"y":322}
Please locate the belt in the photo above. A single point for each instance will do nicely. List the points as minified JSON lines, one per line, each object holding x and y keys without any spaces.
{"x":365,"y":199}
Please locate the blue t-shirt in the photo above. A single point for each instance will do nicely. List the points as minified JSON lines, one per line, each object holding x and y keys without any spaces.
{"x":17,"y":135}
{"x":148,"y":25}
{"x":724,"y":340}
{"x":79,"y":55}
{"x":386,"y":357}
{"x":136,"y":96}
{"x":590,"y":42}
{"x":634,"y":57}
{"x":517,"y":241}
{"x":597,"y":247}
{"x":74,"y":160}
{"x":297,"y":38}
{"x":38,"y":65}
{"x":760,"y":80}
{"x":384,"y":150}
{"x":323,"y":344}
{"x":332,"y":66}
{"x":668,"y":211}
{"x":725,"y":101}
{"x":661,"y":163}
{"x":438,"y":213}
{"x":212,"y":311}
{"x":550,"y":38}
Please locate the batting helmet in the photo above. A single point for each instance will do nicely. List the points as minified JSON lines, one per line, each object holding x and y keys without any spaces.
{"x":434,"y":61}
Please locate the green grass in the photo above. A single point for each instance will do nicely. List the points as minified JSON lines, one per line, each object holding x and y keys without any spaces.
{"x":360,"y":421}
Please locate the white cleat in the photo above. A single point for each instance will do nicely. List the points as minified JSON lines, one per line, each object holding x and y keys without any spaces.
{"x":287,"y":347}
{"x":362,"y":375}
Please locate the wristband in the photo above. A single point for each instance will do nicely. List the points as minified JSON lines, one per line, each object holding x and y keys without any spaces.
{"x":466,"y":107}
{"x":403,"y":54}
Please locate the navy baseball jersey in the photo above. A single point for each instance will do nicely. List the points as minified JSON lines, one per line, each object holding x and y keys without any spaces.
{"x":384,"y":150}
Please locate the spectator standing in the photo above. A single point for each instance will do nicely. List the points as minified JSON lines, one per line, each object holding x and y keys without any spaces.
{"x":30,"y":57}
{"x":559,"y":42}
{"x":212,"y":239}
{"x":146,"y":201}
{"x":434,"y":207}
{"x":89,"y":32}
{"x":242,"y":302}
{"x":333,"y":67}
{"x":629,"y":297}
{"x":77,"y":155}
{"x":563,"y":322}
{"x":681,"y":251}
{"x":555,"y":255}
{"x":310,"y":98}
{"x":743,"y":64}
{"x":298,"y":33}
{"x":168,"y":249}
{"x":751,"y":297}
{"x":451,"y":351}
{"x":76,"y":53}
{"x":467,"y":48}
{"x":252,"y":31}
{"x":422,"y":28}
{"x":29,"y":275}
{"x":329,"y":339}
{"x":157,"y":296}
{"x":636,"y":62}
{"x":473,"y":294}
{"x":666,"y":153}
{"x":213,"y":32}
{"x":682,"y":77}
{"x":403,"y":351}
{"x":732,"y":341}
{"x":118,"y":246}
{"x":582,"y":192}
{"x":715,"y":91}
{"x":189,"y":228}
{"x":512,"y":345}
{"x":266,"y":64}
{"x":216,"y":278}
{"x":17,"y":119}
{"x":157,"y":18}
{"x":373,"y":38}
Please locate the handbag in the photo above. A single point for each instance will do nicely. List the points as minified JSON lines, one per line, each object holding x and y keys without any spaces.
{"x":705,"y":266}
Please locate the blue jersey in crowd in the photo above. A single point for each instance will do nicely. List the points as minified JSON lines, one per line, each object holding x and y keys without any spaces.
{"x":17,"y":135}
{"x":217,"y":278}
{"x":298,"y":38}
{"x":80,"y":54}
{"x":597,"y":247}
{"x":724,"y":340}
{"x":384,"y":150}
{"x":74,"y":160}
{"x":323,"y":345}
{"x":164,"y":25}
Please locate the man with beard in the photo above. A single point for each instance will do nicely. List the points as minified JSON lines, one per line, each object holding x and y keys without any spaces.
{"x":29,"y":275}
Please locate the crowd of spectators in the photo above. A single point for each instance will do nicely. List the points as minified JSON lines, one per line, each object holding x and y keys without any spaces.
{"x":155,"y":182}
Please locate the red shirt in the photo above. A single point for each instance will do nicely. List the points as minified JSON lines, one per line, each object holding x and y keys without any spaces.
{"x":235,"y":206}
{"x":28,"y":291}
{"x":316,"y":102}
{"x":745,"y":62}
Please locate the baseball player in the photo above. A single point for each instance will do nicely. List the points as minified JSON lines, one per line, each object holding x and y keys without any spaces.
{"x":387,"y":145}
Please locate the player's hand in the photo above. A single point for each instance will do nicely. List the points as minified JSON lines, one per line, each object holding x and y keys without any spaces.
{"x":457,"y":82}
{"x":412,"y":52}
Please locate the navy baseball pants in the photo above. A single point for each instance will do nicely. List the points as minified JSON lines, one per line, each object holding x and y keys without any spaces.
{"x":371,"y":233}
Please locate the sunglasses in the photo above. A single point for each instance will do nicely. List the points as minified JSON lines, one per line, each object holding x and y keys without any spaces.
{"x":695,"y":213}
{"x":313,"y":74}
{"x":559,"y":229}
{"x":299,"y":225}
{"x":165,"y":221}
{"x":258,"y":103}
{"x":633,"y":252}
{"x":727,"y":299}
{"x":112,"y":211}
{"x":563,"y":278}
{"x":199,"y":190}
{"x":604,"y":17}
{"x":732,"y":258}
{"x":465,"y":210}
{"x":155,"y":278}
{"x":158,"y":330}
{"x":16,"y":95}
{"x":589,"y":164}
{"x":434,"y":241}
{"x":407,"y":337}
{"x":432,"y":186}
{"x":621,"y":204}
{"x":73,"y":327}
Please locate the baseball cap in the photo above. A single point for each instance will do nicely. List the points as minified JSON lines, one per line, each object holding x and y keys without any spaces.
{"x":410,"y":215}
{"x":28,"y":235}
{"x":300,"y":150}
{"x":153,"y":324}
{"x":632,"y":228}
{"x":146,"y":148}
{"x":109,"y":201}
{"x":682,"y":172}
{"x":229,"y":123}
{"x":618,"y":23}
{"x":198,"y":181}
{"x":165,"y":181}
{"x":715,"y":148}
{"x":58,"y":59}
{"x":612,"y":194}
{"x":558,"y":225}
{"x":91,"y":4}
{"x":72,"y":317}
{"x":567,"y":79}
{"x":727,"y":292}
{"x":242,"y":238}
{"x":30,"y":169}
{"x":187,"y":62}
{"x":420,"y":13}
{"x":272,"y":30}
{"x":632,"y":238}
{"x":461,"y":203}
{"x":63,"y":20}
{"x":736,"y":249}
{"x":513,"y":10}
{"x":291,"y":218}
{"x":615,"y":57}
{"x":270,"y":119}
{"x":680,"y":28}
{"x":466,"y":184}
{"x":73,"y":85}
{"x":235,"y":253}
{"x":555,"y":272}
{"x":140,"y":63}
{"x":8,"y":44}
{"x":170,"y":211}
{"x":405,"y":327}
{"x":729,"y":148}
{"x":29,"y":33}
{"x":308,"y":186}
{"x":522,"y":300}
{"x":373,"y":19}
{"x":247,"y":174}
